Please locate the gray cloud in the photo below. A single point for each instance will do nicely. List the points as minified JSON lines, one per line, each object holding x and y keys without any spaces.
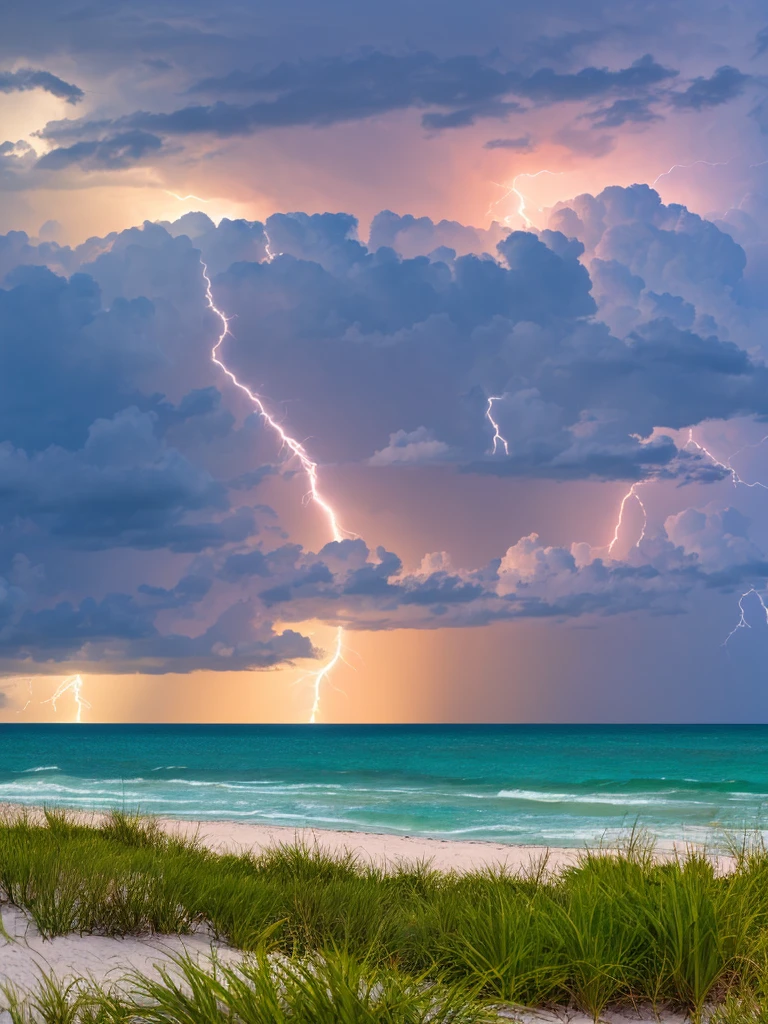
{"x":724,"y":85}
{"x":124,"y":444}
{"x":26,"y":79}
{"x":522,"y":144}
{"x":621,"y":112}
{"x":335,"y":90}
{"x":114,"y":153}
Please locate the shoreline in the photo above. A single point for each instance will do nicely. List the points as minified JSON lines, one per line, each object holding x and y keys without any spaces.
{"x":379,"y":848}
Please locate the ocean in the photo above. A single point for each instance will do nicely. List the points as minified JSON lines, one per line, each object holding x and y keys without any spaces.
{"x":552,"y":785}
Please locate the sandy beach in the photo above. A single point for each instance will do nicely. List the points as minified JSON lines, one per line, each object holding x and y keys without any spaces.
{"x":373,"y":847}
{"x":377,"y":848}
{"x":381,"y":849}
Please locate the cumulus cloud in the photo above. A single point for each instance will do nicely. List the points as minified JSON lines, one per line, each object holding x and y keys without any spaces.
{"x":345,"y":583}
{"x":416,"y":236}
{"x":387,"y":353}
{"x":411,"y":446}
{"x":717,"y":537}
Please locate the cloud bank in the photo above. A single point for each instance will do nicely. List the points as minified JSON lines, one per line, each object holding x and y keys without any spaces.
{"x":136,"y":537}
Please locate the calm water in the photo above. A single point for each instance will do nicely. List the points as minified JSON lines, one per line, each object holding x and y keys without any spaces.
{"x":558,"y":785}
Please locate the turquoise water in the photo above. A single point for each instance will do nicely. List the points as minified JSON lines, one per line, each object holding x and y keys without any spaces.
{"x":557,"y":785}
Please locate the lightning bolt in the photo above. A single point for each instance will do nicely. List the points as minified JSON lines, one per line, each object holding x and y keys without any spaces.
{"x":514,"y":190}
{"x":736,"y":479}
{"x":268,"y":248}
{"x":29,"y":701}
{"x":497,"y":438}
{"x":75,"y":684}
{"x":183,"y":199}
{"x":742,"y":623}
{"x":320,"y":675}
{"x":675,"y":167}
{"x":308,"y":465}
{"x":727,"y":465}
{"x":631,"y":493}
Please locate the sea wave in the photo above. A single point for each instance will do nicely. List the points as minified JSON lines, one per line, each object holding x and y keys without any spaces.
{"x":614,"y":799}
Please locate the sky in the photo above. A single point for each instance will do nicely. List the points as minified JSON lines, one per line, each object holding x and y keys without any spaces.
{"x":398,"y":362}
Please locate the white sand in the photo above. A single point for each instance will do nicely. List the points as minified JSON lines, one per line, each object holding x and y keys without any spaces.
{"x":373,"y":847}
{"x":25,"y":957}
{"x":108,"y":961}
{"x":389,"y":850}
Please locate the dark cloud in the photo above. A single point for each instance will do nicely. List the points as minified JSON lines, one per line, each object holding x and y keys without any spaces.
{"x":117,"y":634}
{"x":347,"y":584}
{"x":125,"y":487}
{"x":724,"y":85}
{"x":420,"y":342}
{"x":113,"y":153}
{"x":331,"y":91}
{"x":26,"y":79}
{"x":114,"y":439}
{"x":620,"y":112}
{"x":523,"y":144}
{"x":547,"y":86}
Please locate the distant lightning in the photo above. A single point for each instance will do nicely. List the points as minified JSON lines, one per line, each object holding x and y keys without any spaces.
{"x":755,"y":444}
{"x":29,"y":701}
{"x":75,"y":684}
{"x":514,"y":190}
{"x":675,"y":167}
{"x":308,"y":465}
{"x":268,"y":248}
{"x":631,"y":493}
{"x":323,"y":672}
{"x":736,"y":479}
{"x":497,"y":438}
{"x":742,"y":623}
{"x":183,"y":199}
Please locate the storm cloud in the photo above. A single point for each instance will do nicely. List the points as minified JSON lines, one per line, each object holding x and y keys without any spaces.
{"x":116,"y":437}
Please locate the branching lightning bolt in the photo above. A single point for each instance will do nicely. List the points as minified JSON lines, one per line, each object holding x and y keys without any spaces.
{"x":742,"y":623}
{"x":497,"y":438}
{"x":75,"y":684}
{"x":631,"y":493}
{"x":727,"y":464}
{"x":307,"y":464}
{"x":514,"y":190}
{"x":736,"y":479}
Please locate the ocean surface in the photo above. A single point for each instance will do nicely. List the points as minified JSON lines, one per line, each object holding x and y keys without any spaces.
{"x":553,"y":785}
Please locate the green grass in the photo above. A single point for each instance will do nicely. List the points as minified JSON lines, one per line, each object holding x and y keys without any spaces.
{"x":334,"y":989}
{"x":615,"y":929}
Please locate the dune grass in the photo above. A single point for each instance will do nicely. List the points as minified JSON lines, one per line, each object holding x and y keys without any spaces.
{"x":615,"y":930}
{"x":333,"y":990}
